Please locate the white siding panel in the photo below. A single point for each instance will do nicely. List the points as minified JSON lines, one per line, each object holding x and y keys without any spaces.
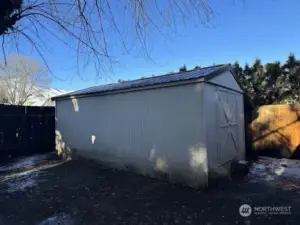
{"x":151,"y":130}
{"x":218,"y":156}
{"x":226,"y":79}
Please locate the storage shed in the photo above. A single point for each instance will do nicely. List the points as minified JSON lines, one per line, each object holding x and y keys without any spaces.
{"x":187,"y":126}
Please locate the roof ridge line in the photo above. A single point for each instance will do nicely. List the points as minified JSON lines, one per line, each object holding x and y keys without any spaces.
{"x":168,"y":74}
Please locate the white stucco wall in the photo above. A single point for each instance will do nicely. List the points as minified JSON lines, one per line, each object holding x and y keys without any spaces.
{"x":157,"y":130}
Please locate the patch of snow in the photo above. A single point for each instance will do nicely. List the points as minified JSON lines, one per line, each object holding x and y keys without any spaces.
{"x":269,"y":177}
{"x":17,"y":165}
{"x":268,"y":169}
{"x":259,"y":167}
{"x":24,"y":163}
{"x":243,"y":162}
{"x":62,"y":218}
{"x":22,"y":174}
{"x":292,"y":172}
{"x":279,"y":171}
{"x":22,"y":183}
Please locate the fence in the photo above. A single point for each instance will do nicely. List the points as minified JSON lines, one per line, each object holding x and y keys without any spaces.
{"x":26,"y":130}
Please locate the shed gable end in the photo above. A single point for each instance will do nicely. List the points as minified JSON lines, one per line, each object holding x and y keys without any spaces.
{"x":226,"y":79}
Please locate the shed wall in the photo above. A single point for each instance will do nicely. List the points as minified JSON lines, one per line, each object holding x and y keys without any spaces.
{"x":224,"y":141}
{"x":157,"y":131}
{"x":226,"y":80}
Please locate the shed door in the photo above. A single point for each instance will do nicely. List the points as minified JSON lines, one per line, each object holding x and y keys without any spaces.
{"x":227,"y":127}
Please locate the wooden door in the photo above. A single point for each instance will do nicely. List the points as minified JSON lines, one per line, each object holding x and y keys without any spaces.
{"x":227,"y":126}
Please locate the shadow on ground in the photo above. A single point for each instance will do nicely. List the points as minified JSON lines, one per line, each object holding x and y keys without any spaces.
{"x":83,"y":192}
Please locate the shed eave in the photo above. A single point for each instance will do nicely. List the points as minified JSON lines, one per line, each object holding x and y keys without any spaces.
{"x":155,"y":86}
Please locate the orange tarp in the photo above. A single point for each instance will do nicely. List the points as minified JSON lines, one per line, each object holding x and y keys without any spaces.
{"x":277,"y":126}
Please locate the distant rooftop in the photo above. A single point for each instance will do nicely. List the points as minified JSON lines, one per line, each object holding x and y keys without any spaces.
{"x":143,"y":82}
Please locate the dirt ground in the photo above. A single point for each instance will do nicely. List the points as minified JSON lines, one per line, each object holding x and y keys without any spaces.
{"x":41,"y":190}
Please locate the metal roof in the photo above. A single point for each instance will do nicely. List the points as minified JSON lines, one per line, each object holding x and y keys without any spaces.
{"x":163,"y":79}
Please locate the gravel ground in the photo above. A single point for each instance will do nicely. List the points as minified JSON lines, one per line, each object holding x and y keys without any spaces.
{"x":41,"y":190}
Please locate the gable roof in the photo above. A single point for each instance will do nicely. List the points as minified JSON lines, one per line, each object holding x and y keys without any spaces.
{"x":202,"y":74}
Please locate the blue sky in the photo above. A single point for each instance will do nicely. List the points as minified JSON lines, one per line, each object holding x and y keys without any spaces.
{"x":265,"y":29}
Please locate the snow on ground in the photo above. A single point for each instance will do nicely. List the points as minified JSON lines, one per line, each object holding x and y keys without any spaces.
{"x":23,"y":182}
{"x":271,"y":169}
{"x":24,"y":173}
{"x":24,"y":163}
{"x":61,"y":218}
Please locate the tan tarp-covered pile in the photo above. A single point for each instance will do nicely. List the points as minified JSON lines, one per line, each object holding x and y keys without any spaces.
{"x":276,"y":127}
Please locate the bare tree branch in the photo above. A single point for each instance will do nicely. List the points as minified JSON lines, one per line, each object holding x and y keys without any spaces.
{"x":95,"y":28}
{"x":3,"y":49}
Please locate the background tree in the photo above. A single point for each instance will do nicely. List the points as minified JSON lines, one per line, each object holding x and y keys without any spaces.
{"x":22,"y":78}
{"x":183,"y":68}
{"x":271,"y":83}
{"x":3,"y":97}
{"x":97,"y":31}
{"x":238,"y":70}
{"x":292,"y":74}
